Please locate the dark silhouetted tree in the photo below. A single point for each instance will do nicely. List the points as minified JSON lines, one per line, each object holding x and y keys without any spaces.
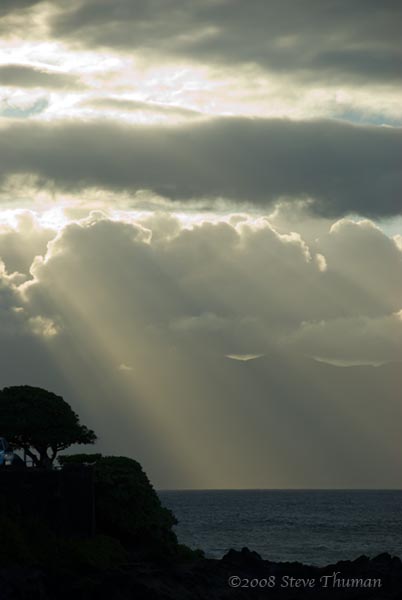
{"x":41,"y":423}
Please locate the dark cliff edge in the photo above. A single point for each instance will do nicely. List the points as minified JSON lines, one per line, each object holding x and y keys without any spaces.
{"x":96,"y":530}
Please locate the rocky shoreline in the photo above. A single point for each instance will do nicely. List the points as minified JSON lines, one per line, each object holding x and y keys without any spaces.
{"x":238,"y":575}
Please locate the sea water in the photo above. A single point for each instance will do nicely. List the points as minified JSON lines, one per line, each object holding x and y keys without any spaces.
{"x":311,"y":526}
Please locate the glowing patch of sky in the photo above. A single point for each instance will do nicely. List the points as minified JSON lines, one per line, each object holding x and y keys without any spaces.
{"x":18,"y":112}
{"x":247,"y":91}
{"x":391,"y":226}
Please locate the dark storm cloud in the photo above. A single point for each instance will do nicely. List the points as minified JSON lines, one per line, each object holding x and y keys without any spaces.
{"x":383,"y":65}
{"x":345,"y":168}
{"x":25,"y":76}
{"x":313,"y":37}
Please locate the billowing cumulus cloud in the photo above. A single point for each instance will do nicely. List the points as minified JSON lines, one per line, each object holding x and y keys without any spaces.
{"x":232,"y":286}
{"x":344,"y":168}
{"x":146,"y":314}
{"x":21,"y":241}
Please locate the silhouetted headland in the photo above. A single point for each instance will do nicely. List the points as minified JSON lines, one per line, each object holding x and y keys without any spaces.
{"x":121,"y":545}
{"x":93,"y":528}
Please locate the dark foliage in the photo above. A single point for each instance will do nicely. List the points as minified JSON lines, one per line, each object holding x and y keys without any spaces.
{"x":126,"y":505}
{"x":39,"y":421}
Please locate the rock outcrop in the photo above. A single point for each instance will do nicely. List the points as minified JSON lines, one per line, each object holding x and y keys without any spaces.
{"x":232,"y":577}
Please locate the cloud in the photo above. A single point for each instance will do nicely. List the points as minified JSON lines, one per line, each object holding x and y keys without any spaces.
{"x":228,"y":290}
{"x":26,"y":76}
{"x":43,"y":327}
{"x":177,"y":304}
{"x":344,"y":168}
{"x":244,"y":324}
{"x":124,"y":105}
{"x":244,"y":357}
{"x":22,"y":240}
{"x":218,"y":57}
{"x":303,"y":38}
{"x":106,"y":295}
{"x":358,"y":340}
{"x":8,"y":6}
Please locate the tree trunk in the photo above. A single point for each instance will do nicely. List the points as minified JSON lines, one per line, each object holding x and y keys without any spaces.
{"x":32,"y":456}
{"x":45,"y":462}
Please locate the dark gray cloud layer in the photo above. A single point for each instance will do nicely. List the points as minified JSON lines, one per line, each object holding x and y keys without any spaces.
{"x":344,"y":168}
{"x":26,"y":76}
{"x":340,"y":39}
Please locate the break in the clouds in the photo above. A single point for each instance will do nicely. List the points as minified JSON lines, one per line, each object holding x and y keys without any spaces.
{"x":343,"y":168}
{"x":309,"y":59}
{"x":200,"y":232}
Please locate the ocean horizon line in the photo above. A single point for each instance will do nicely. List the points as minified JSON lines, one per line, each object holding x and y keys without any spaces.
{"x":278,"y":489}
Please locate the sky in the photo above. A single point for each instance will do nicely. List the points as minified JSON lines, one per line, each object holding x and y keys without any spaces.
{"x":201,"y":232}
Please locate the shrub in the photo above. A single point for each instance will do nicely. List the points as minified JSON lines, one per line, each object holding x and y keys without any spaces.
{"x":126,"y":505}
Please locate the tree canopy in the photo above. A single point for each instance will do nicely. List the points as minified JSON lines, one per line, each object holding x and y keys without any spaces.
{"x":40,"y":422}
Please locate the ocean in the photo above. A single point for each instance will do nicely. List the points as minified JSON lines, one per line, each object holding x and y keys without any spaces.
{"x":311,"y":526}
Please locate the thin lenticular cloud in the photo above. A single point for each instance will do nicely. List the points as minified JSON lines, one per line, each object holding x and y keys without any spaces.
{"x":123,"y":105}
{"x":244,"y":357}
{"x":16,"y":75}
